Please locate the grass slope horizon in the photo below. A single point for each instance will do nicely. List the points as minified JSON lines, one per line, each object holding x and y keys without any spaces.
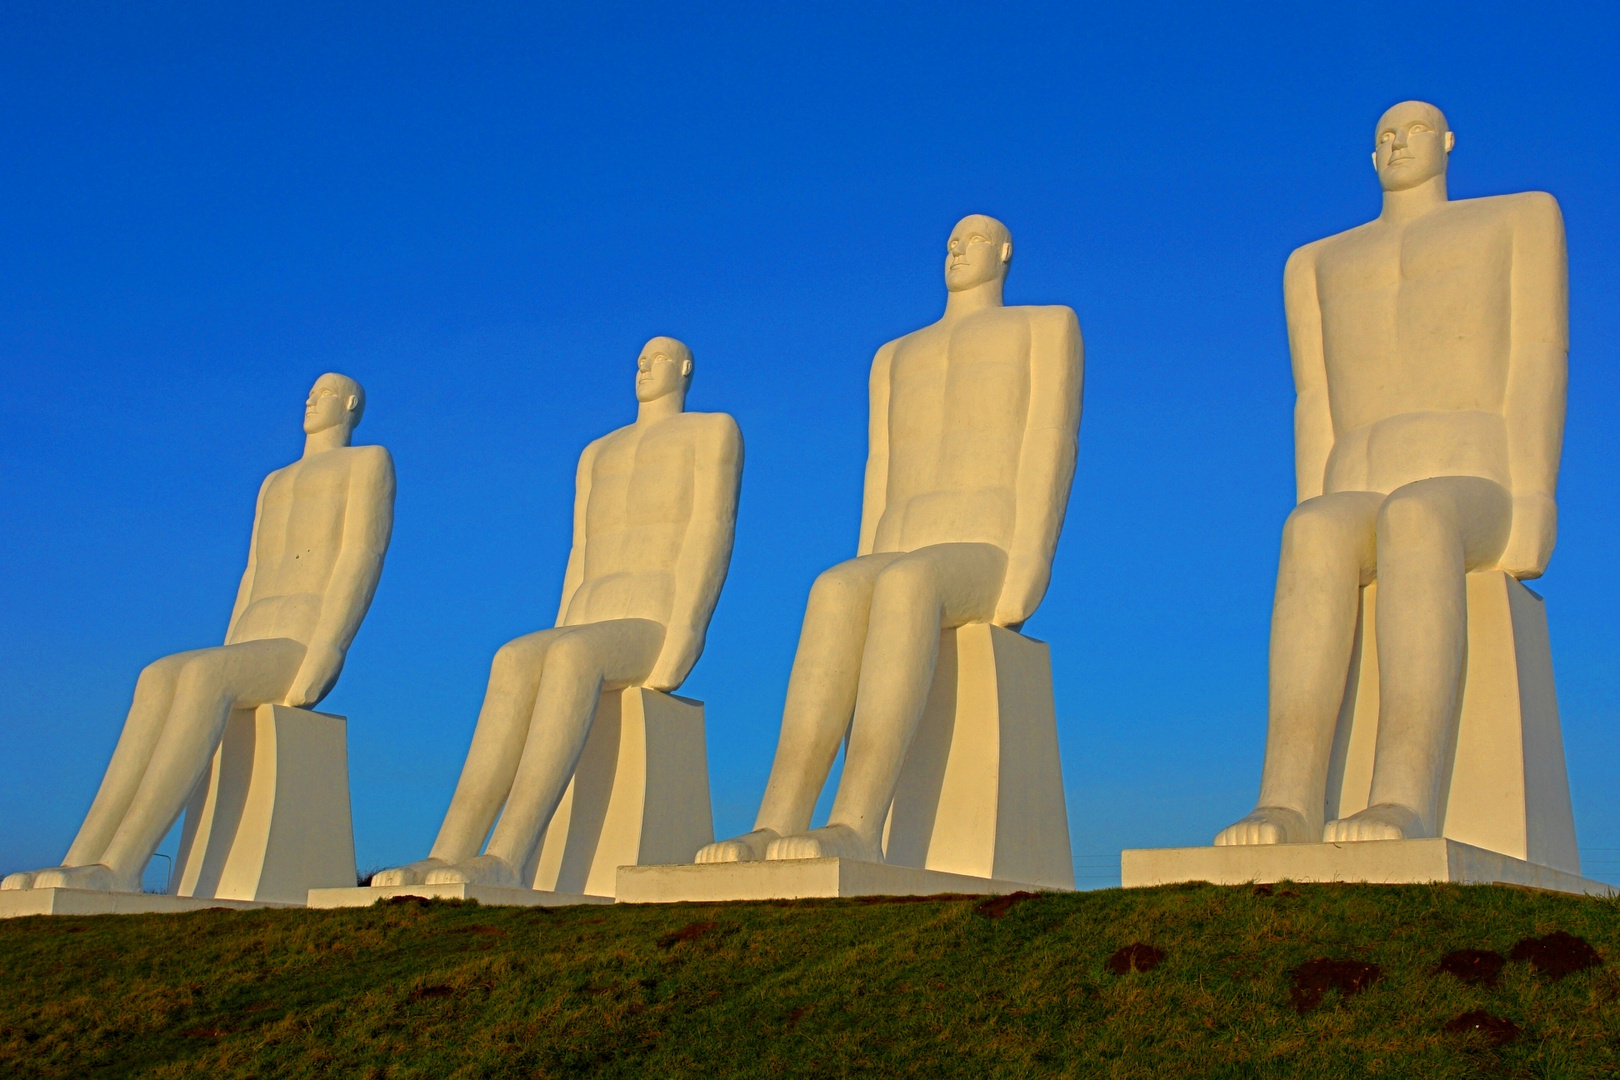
{"x":940,"y":987}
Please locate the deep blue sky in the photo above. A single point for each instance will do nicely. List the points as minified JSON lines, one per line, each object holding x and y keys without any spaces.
{"x":481,"y":212}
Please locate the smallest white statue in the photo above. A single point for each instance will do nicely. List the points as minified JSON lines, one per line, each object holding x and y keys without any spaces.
{"x":320,"y":531}
{"x":655,"y":511}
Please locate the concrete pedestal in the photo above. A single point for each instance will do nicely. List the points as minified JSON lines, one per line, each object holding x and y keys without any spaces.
{"x":270,"y":819}
{"x":18,"y":902}
{"x":1387,"y":862}
{"x":1508,"y":790}
{"x":639,"y":795}
{"x":484,"y":894}
{"x":792,"y":879}
{"x":981,"y":791}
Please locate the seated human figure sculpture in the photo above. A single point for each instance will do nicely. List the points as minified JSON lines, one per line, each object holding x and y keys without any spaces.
{"x":1429,"y":353}
{"x":320,"y":532}
{"x":655,"y":511}
{"x":974,"y":428}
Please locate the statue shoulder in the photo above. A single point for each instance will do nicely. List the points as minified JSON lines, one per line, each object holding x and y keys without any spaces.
{"x":371,"y":456}
{"x":713,"y":426}
{"x":1059,"y":317}
{"x":1303,"y":258}
{"x":1536,"y":209}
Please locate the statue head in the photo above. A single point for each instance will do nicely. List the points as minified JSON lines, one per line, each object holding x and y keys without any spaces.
{"x":1411,"y":145}
{"x":979,"y":250}
{"x":334,"y":401}
{"x":664,"y":367}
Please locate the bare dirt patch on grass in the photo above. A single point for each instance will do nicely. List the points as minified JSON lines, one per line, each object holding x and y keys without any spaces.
{"x":1480,"y":966}
{"x":1313,"y":979}
{"x":1137,"y":957}
{"x":1556,"y":954}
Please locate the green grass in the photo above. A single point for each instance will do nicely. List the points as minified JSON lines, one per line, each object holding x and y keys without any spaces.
{"x":810,"y":988}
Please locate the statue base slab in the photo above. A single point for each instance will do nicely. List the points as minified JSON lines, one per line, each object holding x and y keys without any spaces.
{"x":15,"y":903}
{"x":489,"y":895}
{"x":1382,"y":862}
{"x":795,"y":879}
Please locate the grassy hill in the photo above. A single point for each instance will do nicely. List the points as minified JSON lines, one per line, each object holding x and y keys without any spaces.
{"x":937,"y":988}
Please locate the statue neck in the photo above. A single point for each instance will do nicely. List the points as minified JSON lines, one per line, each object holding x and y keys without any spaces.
{"x":1404,"y":206}
{"x":649,"y":412}
{"x":328,"y":439}
{"x":969,"y":301}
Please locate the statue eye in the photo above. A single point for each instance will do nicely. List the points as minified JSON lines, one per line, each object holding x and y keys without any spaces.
{"x":1386,"y":136}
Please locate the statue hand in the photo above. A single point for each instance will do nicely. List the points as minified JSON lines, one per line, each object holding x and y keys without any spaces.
{"x":315,"y":678}
{"x":1535,"y":531}
{"x":675,"y":662}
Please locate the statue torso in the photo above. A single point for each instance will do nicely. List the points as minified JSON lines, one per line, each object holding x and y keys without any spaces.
{"x":1416,"y":338}
{"x":958,"y":406}
{"x":299,"y":539}
{"x":636,"y":518}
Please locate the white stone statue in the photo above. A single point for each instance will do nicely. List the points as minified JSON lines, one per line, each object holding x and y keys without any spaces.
{"x":974,"y":428}
{"x":655,"y":510}
{"x":1429,"y":352}
{"x":320,"y":532}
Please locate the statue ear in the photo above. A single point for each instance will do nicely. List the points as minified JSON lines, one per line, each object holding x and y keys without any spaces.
{"x":1375,"y":160}
{"x":686,"y":369}
{"x":1451,"y":140}
{"x":350,"y":403}
{"x":1006,"y":252}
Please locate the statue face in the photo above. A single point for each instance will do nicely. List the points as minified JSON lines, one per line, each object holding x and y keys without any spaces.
{"x":1412,"y":145}
{"x":973,"y":255}
{"x":658,"y":373}
{"x":326,"y":407}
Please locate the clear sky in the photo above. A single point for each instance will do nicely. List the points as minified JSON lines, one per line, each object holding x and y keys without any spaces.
{"x":481,"y":212}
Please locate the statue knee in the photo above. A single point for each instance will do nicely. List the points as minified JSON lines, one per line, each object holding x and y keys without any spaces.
{"x":570,"y":656}
{"x":1413,"y":516}
{"x":1317,"y":531}
{"x":837,"y":591}
{"x":158,"y":676}
{"x":509,"y":661}
{"x":904,"y":584}
{"x":199,"y":678}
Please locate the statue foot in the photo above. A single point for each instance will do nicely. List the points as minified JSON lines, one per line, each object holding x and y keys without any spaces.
{"x":95,"y":876}
{"x":22,"y":879}
{"x":829,"y":841}
{"x":1267,"y":825}
{"x":749,"y":847}
{"x":1386,"y":821}
{"x":409,"y":874}
{"x":483,"y":870}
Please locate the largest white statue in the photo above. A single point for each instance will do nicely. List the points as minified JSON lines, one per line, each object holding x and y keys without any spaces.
{"x":1429,"y":352}
{"x":320,"y":532}
{"x":655,"y":511}
{"x":974,"y":429}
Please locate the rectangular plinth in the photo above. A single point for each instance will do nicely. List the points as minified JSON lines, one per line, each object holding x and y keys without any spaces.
{"x":492,"y":895}
{"x":1385,"y":862}
{"x":18,"y":902}
{"x":794,"y":879}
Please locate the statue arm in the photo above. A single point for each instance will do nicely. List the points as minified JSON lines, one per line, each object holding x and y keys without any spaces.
{"x":367,"y":525}
{"x":874,"y":497}
{"x":1046,"y":461}
{"x":1313,"y":420}
{"x":575,"y":574}
{"x":1538,"y":375}
{"x":244,"y":591}
{"x":700,"y":569}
